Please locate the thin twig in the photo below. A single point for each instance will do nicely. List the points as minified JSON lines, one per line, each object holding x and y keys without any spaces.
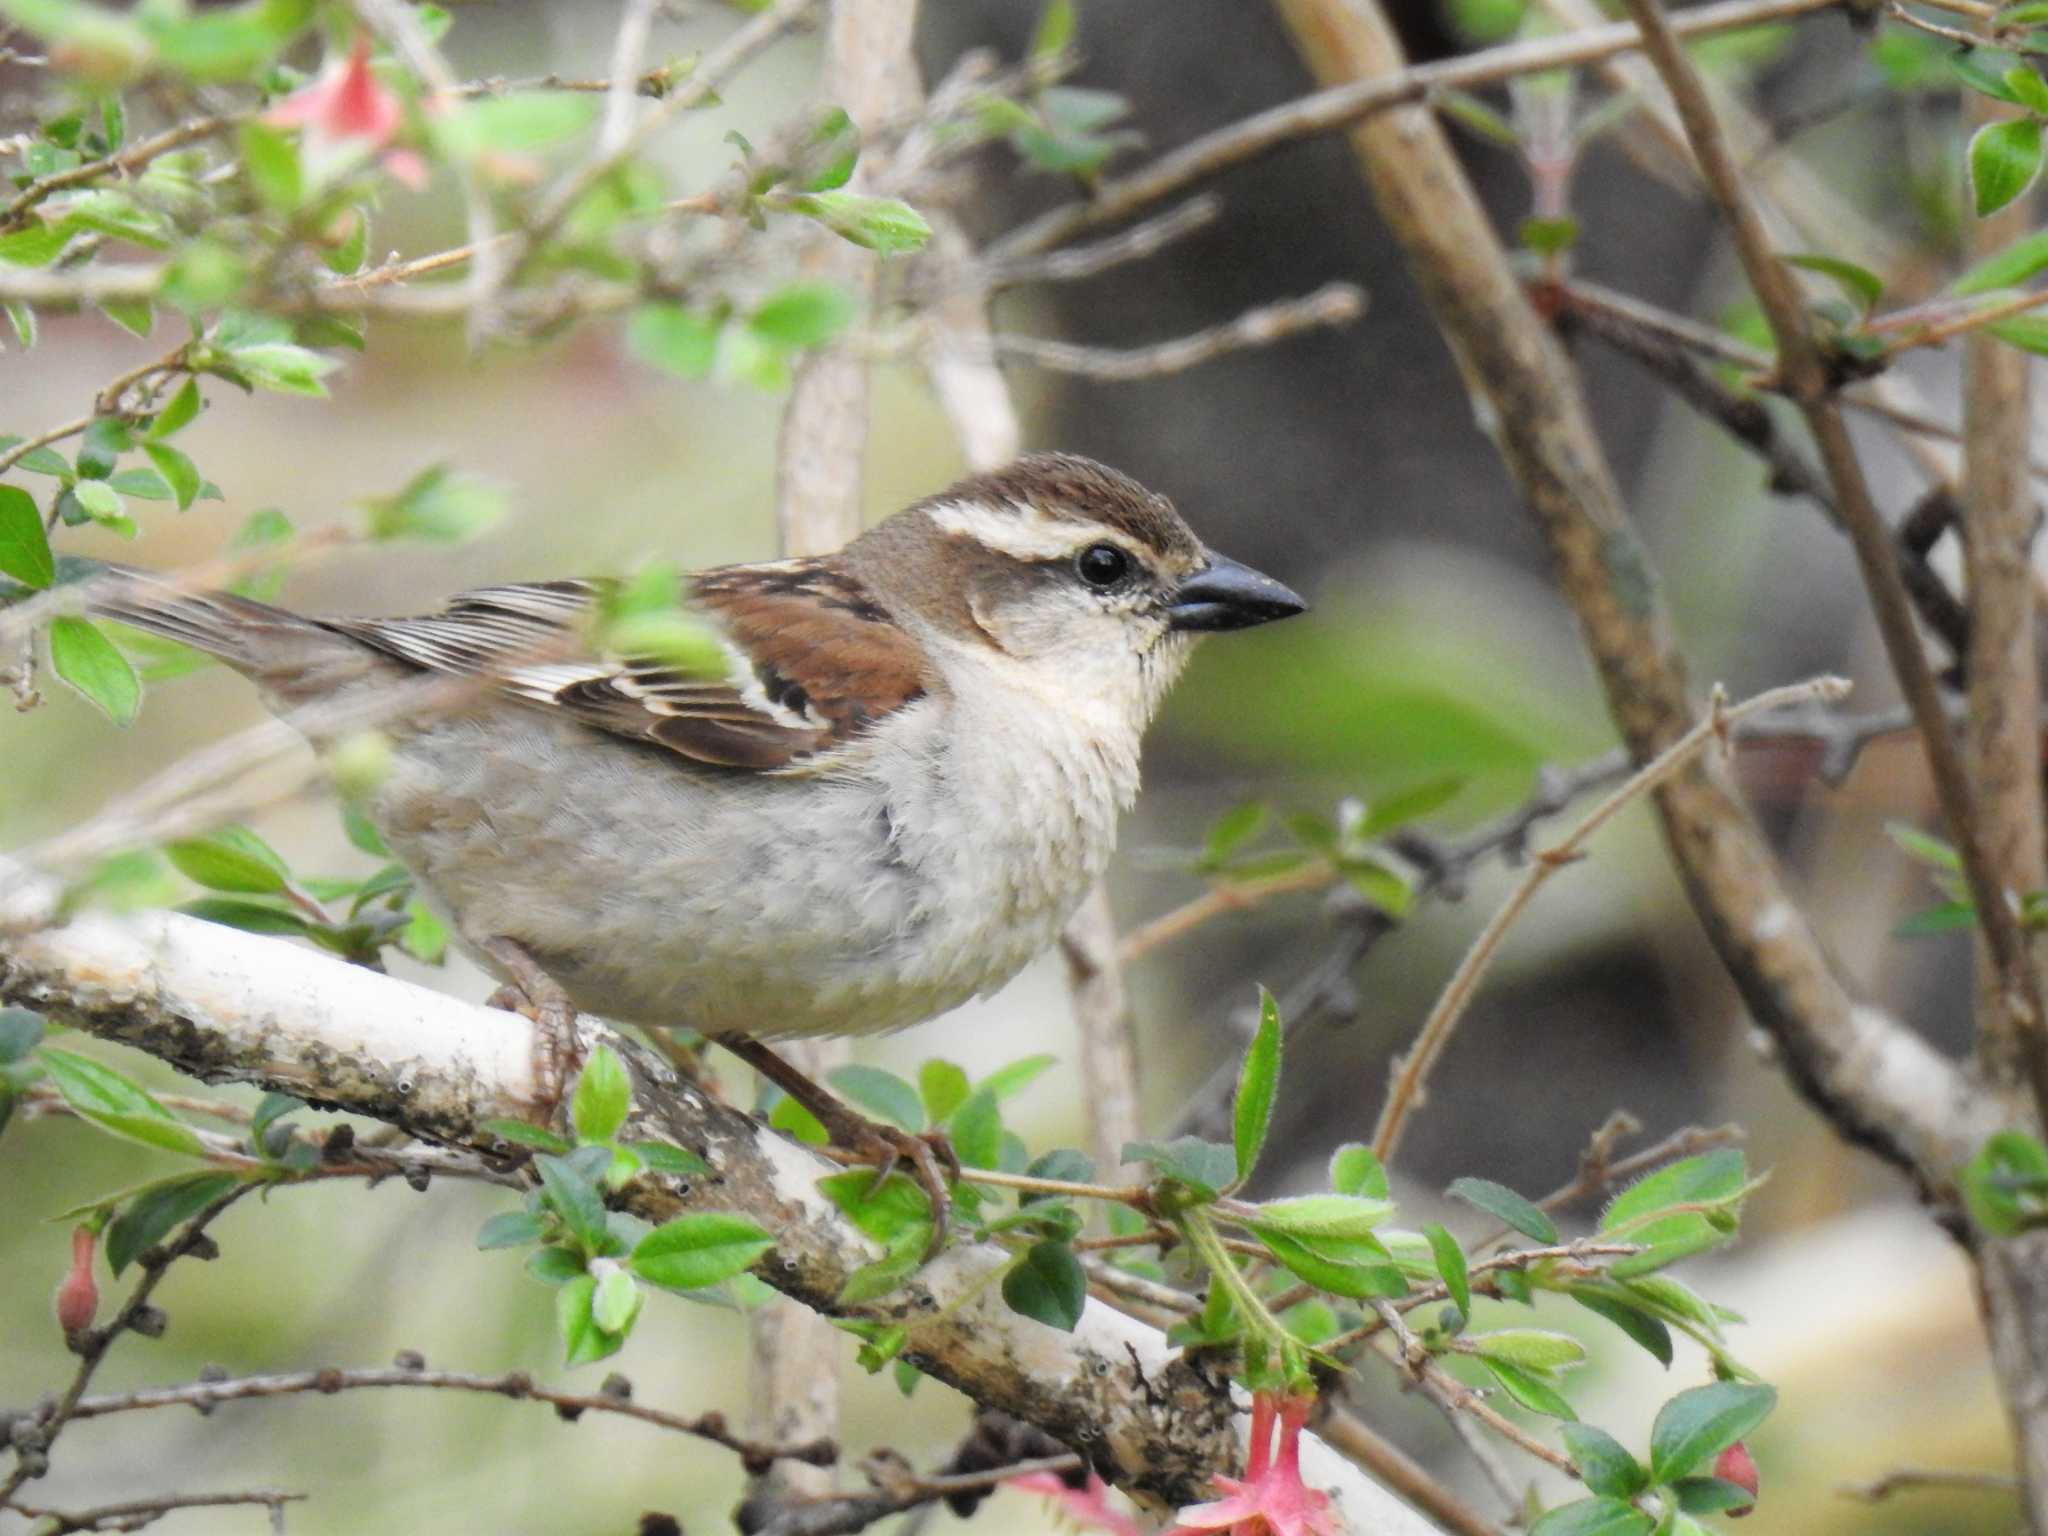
{"x":134,"y":1514}
{"x":1413,"y":1072}
{"x":1917,"y":1479}
{"x":614,"y":1397}
{"x":1336,"y":304}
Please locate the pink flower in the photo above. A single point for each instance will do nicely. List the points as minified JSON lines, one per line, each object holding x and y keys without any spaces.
{"x":78,"y":1296}
{"x":1737,"y":1466}
{"x":1271,"y":1499}
{"x":349,"y":113}
{"x":1087,"y":1506}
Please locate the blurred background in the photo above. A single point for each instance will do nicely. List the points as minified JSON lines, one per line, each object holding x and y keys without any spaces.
{"x":1345,"y":463}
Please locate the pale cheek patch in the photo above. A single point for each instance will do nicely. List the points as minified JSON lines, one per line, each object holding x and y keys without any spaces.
{"x":1021,"y":532}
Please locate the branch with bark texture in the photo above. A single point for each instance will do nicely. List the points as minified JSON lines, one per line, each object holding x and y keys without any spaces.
{"x":1874,"y":1079}
{"x":229,"y":1006}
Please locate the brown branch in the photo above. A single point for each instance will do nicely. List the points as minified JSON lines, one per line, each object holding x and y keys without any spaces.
{"x":1386,"y":1461}
{"x":1343,"y":107}
{"x":1412,"y":1073}
{"x":1337,"y":304}
{"x":896,"y":1489}
{"x":1875,"y":1080}
{"x":614,"y":1397}
{"x":1807,"y":380}
{"x":1916,"y":1479}
{"x":134,"y":1514}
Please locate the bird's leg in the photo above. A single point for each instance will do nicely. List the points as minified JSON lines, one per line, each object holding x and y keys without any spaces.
{"x":539,"y":997}
{"x":859,"y":1139}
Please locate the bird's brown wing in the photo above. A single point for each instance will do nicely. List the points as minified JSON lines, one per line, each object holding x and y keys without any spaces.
{"x":811,"y":660}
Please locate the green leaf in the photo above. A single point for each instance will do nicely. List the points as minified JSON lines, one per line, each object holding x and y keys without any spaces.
{"x":2004,"y":159}
{"x":943,"y":1087}
{"x":284,"y":367}
{"x":523,"y":1134}
{"x":1711,"y":1495}
{"x":83,"y":656}
{"x":272,"y":162}
{"x":249,"y":916}
{"x":180,"y":475}
{"x":37,"y":245}
{"x":1355,"y":1170}
{"x":1207,"y":1167}
{"x":231,"y":859}
{"x":1450,"y":1263}
{"x":151,"y":1214}
{"x":575,"y":1198}
{"x":1947,"y":917}
{"x":1408,"y":805}
{"x":1696,"y":1238}
{"x":21,"y":1030}
{"x":1309,"y":1217}
{"x":555,"y":1265}
{"x":1604,"y":1462}
{"x":582,"y":1339}
{"x":1230,"y":832}
{"x":1647,"y":1331}
{"x":977,"y":1131}
{"x":1594,"y":1517}
{"x":1863,"y":286}
{"x":142,"y":484}
{"x":1928,"y":850}
{"x":1504,"y":1205}
{"x":1063,"y":1163}
{"x":1712,"y":1176}
{"x":2006,"y":268}
{"x":1008,"y":1081}
{"x":135,"y":316}
{"x":672,"y":337}
{"x":603,"y":1095}
{"x":1696,"y":1426}
{"x":1055,"y":30}
{"x":899,"y":1209}
{"x":1533,"y":1349}
{"x":1258,"y":1084}
{"x":884,"y":1095}
{"x":116,"y":1103}
{"x":1548,"y":237}
{"x":871,"y":1281}
{"x":679,"y":1162}
{"x":1336,"y":1276}
{"x":616,"y":1301}
{"x":437,"y":505}
{"x":805,"y":314}
{"x":518,"y":122}
{"x":23,"y":318}
{"x":101,"y":502}
{"x":2028,"y":88}
{"x":1048,"y":1285}
{"x":887,"y":226}
{"x":1531,"y":1390}
{"x":178,"y":413}
{"x":510,"y":1229}
{"x":2005,"y":1185}
{"x":24,"y":547}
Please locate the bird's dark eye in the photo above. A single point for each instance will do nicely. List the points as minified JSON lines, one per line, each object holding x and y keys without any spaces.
{"x":1102,"y":565}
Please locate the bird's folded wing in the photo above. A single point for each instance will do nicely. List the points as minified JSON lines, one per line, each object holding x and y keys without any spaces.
{"x":812,"y":661}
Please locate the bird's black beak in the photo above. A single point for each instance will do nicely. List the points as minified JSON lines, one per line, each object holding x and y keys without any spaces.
{"x":1226,"y":595}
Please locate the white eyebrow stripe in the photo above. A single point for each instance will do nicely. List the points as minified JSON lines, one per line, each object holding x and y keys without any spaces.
{"x":1020,"y":531}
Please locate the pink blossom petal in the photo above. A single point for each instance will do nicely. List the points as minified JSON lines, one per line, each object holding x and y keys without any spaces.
{"x":1087,"y":1506}
{"x":407,"y":167}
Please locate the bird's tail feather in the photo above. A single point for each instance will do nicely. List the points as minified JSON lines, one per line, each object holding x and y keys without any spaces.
{"x":280,"y":650}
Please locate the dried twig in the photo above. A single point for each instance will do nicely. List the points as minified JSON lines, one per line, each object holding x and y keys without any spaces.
{"x":135,"y":1514}
{"x":1918,"y":1479}
{"x":1414,"y":1068}
{"x":1336,"y":304}
{"x":614,"y":1397}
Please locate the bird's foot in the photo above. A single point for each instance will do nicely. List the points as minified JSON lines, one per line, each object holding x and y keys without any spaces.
{"x":535,"y":995}
{"x":860,"y":1142}
{"x":854,"y":1139}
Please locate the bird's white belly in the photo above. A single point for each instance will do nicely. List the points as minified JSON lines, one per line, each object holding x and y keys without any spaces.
{"x":656,"y":893}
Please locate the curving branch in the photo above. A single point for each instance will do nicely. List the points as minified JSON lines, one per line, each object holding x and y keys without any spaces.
{"x":229,"y":1006}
